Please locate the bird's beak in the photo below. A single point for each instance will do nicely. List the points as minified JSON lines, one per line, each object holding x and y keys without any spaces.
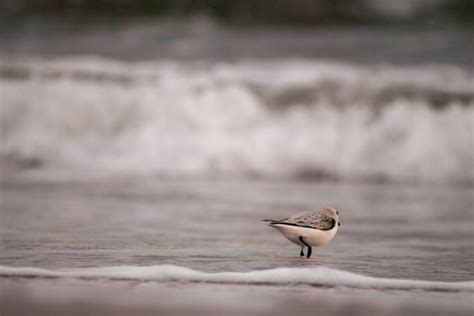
{"x":339,"y":224}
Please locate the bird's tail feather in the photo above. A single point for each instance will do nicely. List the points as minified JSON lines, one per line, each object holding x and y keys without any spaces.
{"x":271,"y":221}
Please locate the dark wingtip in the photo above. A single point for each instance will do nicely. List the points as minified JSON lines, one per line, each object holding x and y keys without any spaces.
{"x":271,"y":222}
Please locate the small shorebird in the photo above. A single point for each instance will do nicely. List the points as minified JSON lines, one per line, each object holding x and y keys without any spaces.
{"x":307,"y":229}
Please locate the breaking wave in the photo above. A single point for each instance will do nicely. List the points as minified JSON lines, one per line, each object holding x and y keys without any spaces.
{"x":319,"y":277}
{"x":279,"y":118}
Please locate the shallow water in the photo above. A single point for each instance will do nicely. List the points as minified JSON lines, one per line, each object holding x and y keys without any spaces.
{"x":67,"y":222}
{"x":394,"y":231}
{"x":150,"y":298}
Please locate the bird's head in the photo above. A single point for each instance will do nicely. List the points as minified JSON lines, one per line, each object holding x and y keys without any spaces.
{"x":335,"y":212}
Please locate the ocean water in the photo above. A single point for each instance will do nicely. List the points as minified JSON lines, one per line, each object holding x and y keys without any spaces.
{"x":138,"y":236}
{"x":134,"y":174}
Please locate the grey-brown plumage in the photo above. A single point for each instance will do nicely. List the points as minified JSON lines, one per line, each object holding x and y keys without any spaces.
{"x":323,"y":219}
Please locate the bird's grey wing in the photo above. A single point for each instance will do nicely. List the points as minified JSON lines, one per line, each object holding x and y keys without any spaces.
{"x":298,"y":218}
{"x":318,"y":220}
{"x":303,"y":216}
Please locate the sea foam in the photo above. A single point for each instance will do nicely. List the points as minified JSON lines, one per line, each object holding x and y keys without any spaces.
{"x":318,"y":276}
{"x":281,"y":118}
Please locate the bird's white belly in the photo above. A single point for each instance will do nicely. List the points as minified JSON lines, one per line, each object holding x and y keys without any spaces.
{"x":313,"y":237}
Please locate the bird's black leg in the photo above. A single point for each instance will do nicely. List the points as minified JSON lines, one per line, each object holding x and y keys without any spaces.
{"x":309,"y":248}
{"x":301,"y":252}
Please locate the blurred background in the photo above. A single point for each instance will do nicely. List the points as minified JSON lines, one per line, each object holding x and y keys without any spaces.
{"x":368,"y":90}
{"x":143,"y":133}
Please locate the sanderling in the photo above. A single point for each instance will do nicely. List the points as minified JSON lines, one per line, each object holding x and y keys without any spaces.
{"x":307,"y":229}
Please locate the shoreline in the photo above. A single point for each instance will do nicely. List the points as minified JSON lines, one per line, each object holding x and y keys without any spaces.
{"x":87,"y":297}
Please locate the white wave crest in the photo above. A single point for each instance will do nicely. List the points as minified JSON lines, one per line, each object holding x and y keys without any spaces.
{"x":319,"y":276}
{"x":278,"y":118}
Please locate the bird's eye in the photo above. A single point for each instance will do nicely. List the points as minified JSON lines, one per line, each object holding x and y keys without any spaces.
{"x":337,"y":212}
